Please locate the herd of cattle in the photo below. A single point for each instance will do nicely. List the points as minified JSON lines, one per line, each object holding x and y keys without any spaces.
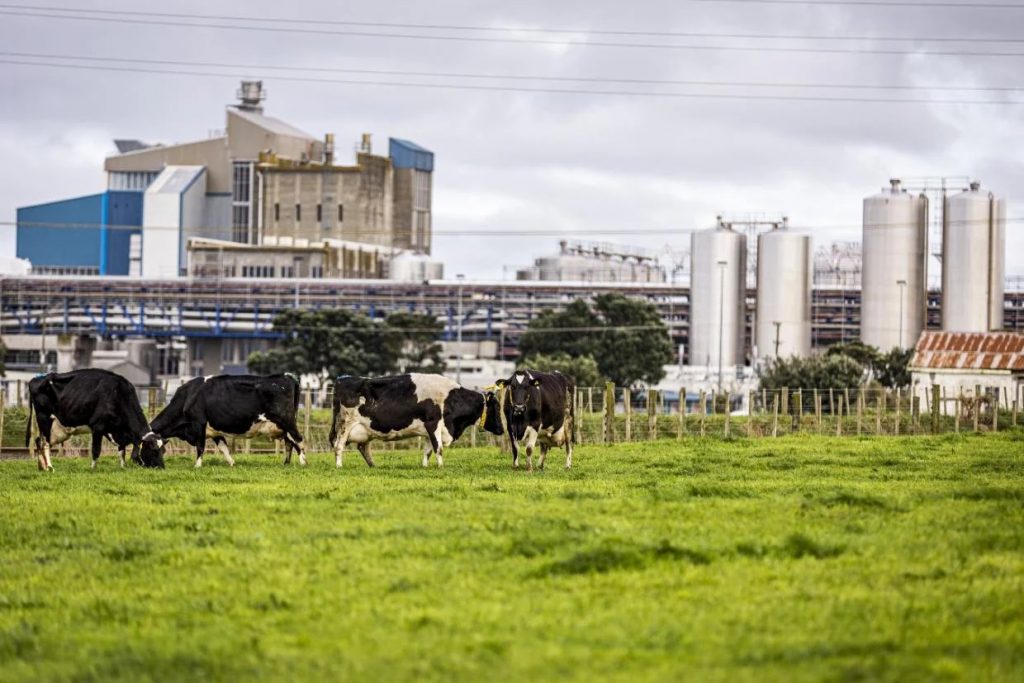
{"x":532,"y":408}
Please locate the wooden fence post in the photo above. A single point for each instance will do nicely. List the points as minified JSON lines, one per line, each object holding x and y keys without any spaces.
{"x":727,"y":413}
{"x":831,"y":401}
{"x":977,"y":407}
{"x":609,"y":413}
{"x":750,"y":414}
{"x":775,"y":416}
{"x":308,"y":410}
{"x":682,"y":413}
{"x":152,"y":402}
{"x":897,"y":432}
{"x":3,"y":409}
{"x":959,"y":407}
{"x":590,"y":399}
{"x":995,"y":413}
{"x":703,"y":410}
{"x":785,"y":400}
{"x":652,"y":415}
{"x":627,"y":401}
{"x":839,"y":416}
{"x":17,"y":397}
{"x":817,"y":410}
{"x":879,"y":409}
{"x":936,"y":406}
{"x":860,"y":411}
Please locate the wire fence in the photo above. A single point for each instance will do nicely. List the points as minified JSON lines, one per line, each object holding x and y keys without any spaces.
{"x":610,"y":415}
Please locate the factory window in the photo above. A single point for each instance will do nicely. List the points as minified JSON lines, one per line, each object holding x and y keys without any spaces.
{"x":319,"y":213}
{"x":341,"y":213}
{"x":316,"y":271}
{"x":241,"y":201}
{"x":277,"y":211}
{"x":287,"y":271}
{"x":421,"y":190}
{"x":298,"y":212}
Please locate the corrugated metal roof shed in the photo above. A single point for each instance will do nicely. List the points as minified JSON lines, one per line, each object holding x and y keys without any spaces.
{"x":969,"y":351}
{"x":406,"y":154}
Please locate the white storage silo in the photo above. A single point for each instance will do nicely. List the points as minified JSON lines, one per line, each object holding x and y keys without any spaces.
{"x":718,"y":268}
{"x":412,"y":267}
{"x":973,"y":261}
{"x":784,"y":274}
{"x":894,"y":276}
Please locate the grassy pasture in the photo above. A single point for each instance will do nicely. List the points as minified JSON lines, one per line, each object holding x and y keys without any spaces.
{"x":798,"y":558}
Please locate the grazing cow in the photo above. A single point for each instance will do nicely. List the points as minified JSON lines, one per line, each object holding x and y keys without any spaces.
{"x":89,"y":401}
{"x":400,"y":407}
{"x":233,"y":405}
{"x":539,"y":408}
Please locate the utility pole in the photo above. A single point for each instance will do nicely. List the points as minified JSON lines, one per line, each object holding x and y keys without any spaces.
{"x":721,"y":318}
{"x":458,"y":346}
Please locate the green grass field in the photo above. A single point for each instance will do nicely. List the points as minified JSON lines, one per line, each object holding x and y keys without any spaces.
{"x":798,"y":558}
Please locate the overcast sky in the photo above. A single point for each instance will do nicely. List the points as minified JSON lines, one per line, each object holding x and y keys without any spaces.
{"x":509,"y":161}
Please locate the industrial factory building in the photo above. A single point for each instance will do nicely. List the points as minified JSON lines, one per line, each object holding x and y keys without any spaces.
{"x":595,"y":262}
{"x":262,"y":184}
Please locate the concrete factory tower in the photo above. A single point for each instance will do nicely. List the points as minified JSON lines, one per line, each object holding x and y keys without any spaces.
{"x":973,"y":261}
{"x":784,"y":273}
{"x":718,"y":270}
{"x":895,"y":268}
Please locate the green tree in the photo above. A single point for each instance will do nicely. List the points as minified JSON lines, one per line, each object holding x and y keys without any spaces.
{"x":329,"y":343}
{"x":582,"y":370}
{"x":417,"y":339}
{"x":868,"y":356}
{"x":835,"y":371}
{"x":625,"y":337}
{"x":893,"y":368}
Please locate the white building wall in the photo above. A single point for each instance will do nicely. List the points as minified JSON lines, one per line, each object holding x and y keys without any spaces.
{"x":952,"y":383}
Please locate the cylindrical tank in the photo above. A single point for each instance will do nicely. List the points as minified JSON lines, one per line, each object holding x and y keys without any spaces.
{"x":410,"y":267}
{"x":718,"y":267}
{"x":894,"y":276}
{"x":784,"y":273}
{"x":973,"y":261}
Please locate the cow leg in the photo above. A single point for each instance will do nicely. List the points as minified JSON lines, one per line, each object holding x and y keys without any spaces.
{"x":364,"y":450}
{"x":434,"y":437}
{"x":543,"y":454}
{"x":135,"y":455}
{"x":426,"y":455}
{"x":120,"y":453}
{"x":568,"y":453}
{"x":97,"y":446}
{"x":200,"y":447}
{"x":293,"y":438}
{"x":339,"y":445}
{"x":439,"y":439}
{"x":47,"y":463}
{"x":222,"y":445}
{"x":515,"y":452}
{"x":531,"y":442}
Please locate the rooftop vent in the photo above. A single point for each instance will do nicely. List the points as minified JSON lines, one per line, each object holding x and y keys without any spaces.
{"x":250,"y":96}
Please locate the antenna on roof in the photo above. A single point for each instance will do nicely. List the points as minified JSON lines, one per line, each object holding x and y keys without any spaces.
{"x":250,"y":96}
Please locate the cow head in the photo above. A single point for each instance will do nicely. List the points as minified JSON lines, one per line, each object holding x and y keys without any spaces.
{"x":521,"y":390}
{"x":151,"y":452}
{"x":492,"y":414}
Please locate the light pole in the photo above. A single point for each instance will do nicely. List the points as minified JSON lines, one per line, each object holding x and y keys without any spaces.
{"x":778,"y":326}
{"x":721,"y":318}
{"x":902,"y":284}
{"x":458,"y":345}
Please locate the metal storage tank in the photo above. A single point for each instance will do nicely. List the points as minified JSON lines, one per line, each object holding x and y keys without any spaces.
{"x":784,"y":274}
{"x":973,"y":261}
{"x":718,"y":267}
{"x":411,"y":267}
{"x":894,"y":276}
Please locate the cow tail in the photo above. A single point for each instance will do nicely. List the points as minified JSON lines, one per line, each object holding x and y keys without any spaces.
{"x":574,"y":436}
{"x":28,"y":422}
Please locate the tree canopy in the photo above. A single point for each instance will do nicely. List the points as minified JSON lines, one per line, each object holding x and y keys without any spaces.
{"x":582,"y":370}
{"x":625,"y":337}
{"x":332,"y":342}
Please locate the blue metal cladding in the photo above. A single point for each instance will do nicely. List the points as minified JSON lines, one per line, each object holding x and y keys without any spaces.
{"x":406,"y":154}
{"x":81,"y":232}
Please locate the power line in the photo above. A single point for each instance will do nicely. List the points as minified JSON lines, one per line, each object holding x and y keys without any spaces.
{"x":875,"y":3}
{"x":521,"y":89}
{"x":514,"y":29}
{"x":515,"y":41}
{"x":515,"y":77}
{"x":473,"y":232}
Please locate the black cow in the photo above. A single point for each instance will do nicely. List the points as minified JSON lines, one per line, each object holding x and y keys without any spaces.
{"x":400,"y":407}
{"x":539,"y":408}
{"x":89,"y":401}
{"x":233,"y":405}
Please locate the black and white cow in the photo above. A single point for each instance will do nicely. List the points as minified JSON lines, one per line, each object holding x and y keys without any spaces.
{"x":539,"y":408}
{"x":233,"y":405}
{"x":401,"y":407}
{"x":89,"y":401}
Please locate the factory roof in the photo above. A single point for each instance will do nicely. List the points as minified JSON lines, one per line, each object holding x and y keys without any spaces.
{"x":999,"y":351}
{"x":269,"y":123}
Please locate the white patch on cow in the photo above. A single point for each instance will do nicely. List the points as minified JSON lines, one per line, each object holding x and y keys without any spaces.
{"x":432,"y":387}
{"x":520,"y":378}
{"x":199,"y":462}
{"x":362,"y":432}
{"x":261,"y":427}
